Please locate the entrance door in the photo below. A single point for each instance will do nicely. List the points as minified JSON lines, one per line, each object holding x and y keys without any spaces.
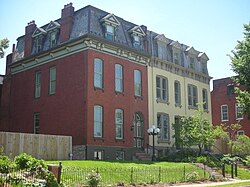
{"x":138,"y":130}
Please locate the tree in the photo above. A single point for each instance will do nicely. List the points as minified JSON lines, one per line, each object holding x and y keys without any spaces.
{"x":238,"y":144}
{"x":195,"y":131}
{"x":4,"y":44}
{"x":240,"y":63}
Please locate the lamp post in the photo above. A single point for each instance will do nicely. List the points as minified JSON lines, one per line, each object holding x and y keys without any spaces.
{"x":153,"y":131}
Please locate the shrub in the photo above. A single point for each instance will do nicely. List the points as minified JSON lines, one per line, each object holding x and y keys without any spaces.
{"x":6,"y":164}
{"x":93,"y":179}
{"x":23,"y":161}
{"x":193,"y":176}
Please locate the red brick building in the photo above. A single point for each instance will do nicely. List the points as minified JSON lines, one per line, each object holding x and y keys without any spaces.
{"x":83,"y":75}
{"x":225,"y":109}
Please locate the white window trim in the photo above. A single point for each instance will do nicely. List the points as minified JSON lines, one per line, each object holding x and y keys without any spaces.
{"x":236,"y":112}
{"x":222,"y":113}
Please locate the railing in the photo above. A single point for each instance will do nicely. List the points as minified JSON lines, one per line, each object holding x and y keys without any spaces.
{"x":114,"y":176}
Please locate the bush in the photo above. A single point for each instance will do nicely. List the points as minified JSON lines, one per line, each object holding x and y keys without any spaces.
{"x":23,"y":161}
{"x":193,"y":176}
{"x":6,"y":164}
{"x":93,"y":179}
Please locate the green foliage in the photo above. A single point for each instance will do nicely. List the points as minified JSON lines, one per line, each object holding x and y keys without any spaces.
{"x":193,"y":176}
{"x":195,"y":131}
{"x":240,"y":62}
{"x":241,"y":145}
{"x":93,"y":179}
{"x":6,"y":164}
{"x":51,"y":180}
{"x":4,"y":44}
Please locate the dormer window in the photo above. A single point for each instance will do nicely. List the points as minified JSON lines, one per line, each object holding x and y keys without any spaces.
{"x":110,"y":32}
{"x":38,"y":44}
{"x":162,"y":42}
{"x":202,"y":57}
{"x":38,"y":37}
{"x":191,"y":61}
{"x":53,"y":39}
{"x":137,"y":42}
{"x":176,"y":48}
{"x":110,"y":23}
{"x":192,"y":55}
{"x":53,"y":30}
{"x":176,"y":58}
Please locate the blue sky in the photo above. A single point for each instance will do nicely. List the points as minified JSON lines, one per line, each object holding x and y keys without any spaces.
{"x":210,"y":26}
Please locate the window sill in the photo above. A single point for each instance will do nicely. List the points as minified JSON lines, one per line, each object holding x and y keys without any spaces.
{"x":164,"y":141}
{"x":119,"y":93}
{"x":98,"y":89}
{"x":225,"y":120}
{"x":99,"y":139}
{"x":119,"y":140}
{"x":162,"y":101}
{"x":138,"y":97}
{"x":192,"y":107}
{"x":178,"y":105}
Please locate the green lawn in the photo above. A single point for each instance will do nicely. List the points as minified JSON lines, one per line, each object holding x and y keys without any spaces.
{"x":114,"y":172}
{"x":236,"y":185}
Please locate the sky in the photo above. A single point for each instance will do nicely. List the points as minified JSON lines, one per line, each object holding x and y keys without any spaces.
{"x":210,"y":26}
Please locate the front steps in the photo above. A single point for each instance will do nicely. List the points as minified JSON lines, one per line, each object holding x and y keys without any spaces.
{"x":143,"y":156}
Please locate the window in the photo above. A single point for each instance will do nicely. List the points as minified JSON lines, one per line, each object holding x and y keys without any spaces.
{"x":163,"y":125}
{"x":119,"y":124}
{"x":98,"y":121}
{"x":240,"y":132}
{"x":52,"y":80}
{"x":119,"y":155}
{"x":192,"y":96}
{"x":161,"y":51}
{"x":162,"y":88}
{"x":176,"y":58}
{"x":118,"y":78}
{"x":110,"y":32}
{"x":137,"y":42}
{"x":53,"y":39}
{"x":203,"y":67}
{"x":36,"y":123}
{"x":224,"y":113}
{"x":205,"y":99}
{"x":98,"y":73}
{"x":137,"y":83}
{"x":177,"y":93}
{"x":38,"y":44}
{"x":191,"y":62}
{"x":239,"y":111}
{"x":38,"y":84}
{"x":98,"y":155}
{"x":230,"y":89}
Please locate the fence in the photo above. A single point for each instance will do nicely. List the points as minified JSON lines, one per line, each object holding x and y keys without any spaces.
{"x":113,"y":176}
{"x":47,"y":147}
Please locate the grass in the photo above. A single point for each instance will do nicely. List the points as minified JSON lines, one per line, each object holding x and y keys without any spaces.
{"x":114,"y":172}
{"x":236,"y":184}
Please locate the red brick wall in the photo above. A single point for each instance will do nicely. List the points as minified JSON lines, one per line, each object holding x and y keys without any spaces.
{"x":219,"y":97}
{"x":70,"y":110}
{"x":109,"y":100}
{"x":61,"y":113}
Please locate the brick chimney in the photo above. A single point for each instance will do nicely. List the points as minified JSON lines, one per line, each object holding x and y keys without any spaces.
{"x":29,"y":29}
{"x":66,"y":22}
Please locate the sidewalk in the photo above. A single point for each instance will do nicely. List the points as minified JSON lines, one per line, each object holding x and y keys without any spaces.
{"x":231,"y":181}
